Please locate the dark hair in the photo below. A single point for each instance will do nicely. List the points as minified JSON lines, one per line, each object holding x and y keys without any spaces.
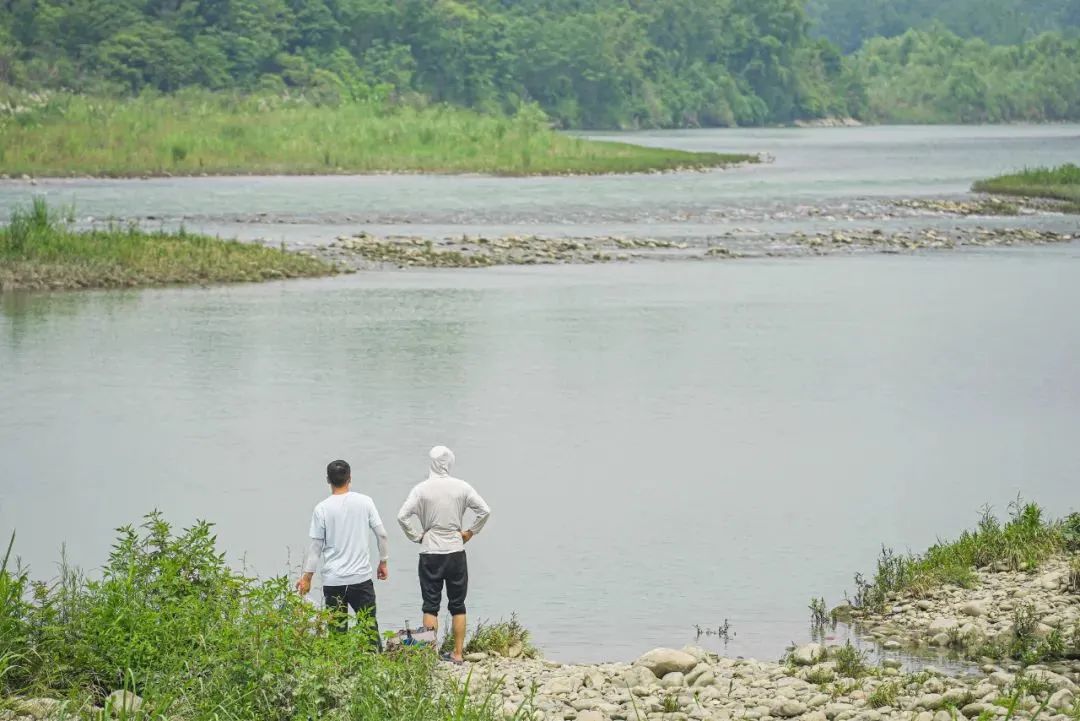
{"x":338,"y":473}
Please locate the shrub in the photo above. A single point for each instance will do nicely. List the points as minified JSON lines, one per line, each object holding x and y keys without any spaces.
{"x":169,"y":620}
{"x":884,"y":695}
{"x":850,"y":661}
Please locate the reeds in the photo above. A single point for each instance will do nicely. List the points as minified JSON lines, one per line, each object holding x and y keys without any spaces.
{"x":1060,"y":183}
{"x":198,"y":132}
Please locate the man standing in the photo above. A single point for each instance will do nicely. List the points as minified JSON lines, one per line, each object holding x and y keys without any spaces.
{"x":339,"y":536}
{"x":439,"y":503}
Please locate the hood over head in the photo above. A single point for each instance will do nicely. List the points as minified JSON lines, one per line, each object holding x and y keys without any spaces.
{"x":442,"y":460}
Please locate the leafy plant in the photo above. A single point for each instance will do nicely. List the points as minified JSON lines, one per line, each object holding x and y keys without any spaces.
{"x":884,"y":695}
{"x":850,"y":661}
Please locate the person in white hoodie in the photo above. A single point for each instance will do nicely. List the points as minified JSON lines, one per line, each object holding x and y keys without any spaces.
{"x":439,"y":503}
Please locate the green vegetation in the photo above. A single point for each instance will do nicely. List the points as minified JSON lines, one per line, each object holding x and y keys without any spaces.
{"x":197,"y":132}
{"x":937,"y":77}
{"x":850,"y":661}
{"x":591,"y":63}
{"x":1060,"y":183}
{"x":849,"y":23}
{"x":171,"y":622}
{"x":1021,"y":543}
{"x":574,"y":63}
{"x":505,"y":638}
{"x":40,"y":250}
{"x":884,"y":695}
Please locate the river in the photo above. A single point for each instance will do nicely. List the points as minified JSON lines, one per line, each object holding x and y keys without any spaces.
{"x":663,"y":445}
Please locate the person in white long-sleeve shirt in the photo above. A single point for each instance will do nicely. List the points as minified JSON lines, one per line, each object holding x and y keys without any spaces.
{"x":339,"y":537}
{"x":440,"y":503}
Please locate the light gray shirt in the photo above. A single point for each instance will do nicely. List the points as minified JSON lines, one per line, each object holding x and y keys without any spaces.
{"x":339,"y":535}
{"x":440,"y":503}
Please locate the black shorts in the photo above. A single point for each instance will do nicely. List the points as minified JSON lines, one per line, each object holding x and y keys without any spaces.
{"x":451,"y":569}
{"x":358,"y":596}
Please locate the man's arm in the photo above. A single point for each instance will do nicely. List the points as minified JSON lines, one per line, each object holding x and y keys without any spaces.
{"x":384,"y":551}
{"x":404,"y":517}
{"x":310,"y":564}
{"x":477,"y":505}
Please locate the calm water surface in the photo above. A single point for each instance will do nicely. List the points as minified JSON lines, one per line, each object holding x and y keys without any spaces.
{"x":662,"y":444}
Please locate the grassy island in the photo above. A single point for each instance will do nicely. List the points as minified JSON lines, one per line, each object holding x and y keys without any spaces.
{"x":39,"y":250}
{"x":1060,"y":183}
{"x":195,"y":133}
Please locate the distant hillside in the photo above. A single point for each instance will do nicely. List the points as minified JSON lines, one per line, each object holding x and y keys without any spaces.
{"x":849,"y":23}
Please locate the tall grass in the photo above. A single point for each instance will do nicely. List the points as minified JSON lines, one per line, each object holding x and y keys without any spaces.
{"x":169,"y":620}
{"x":198,"y":132}
{"x":40,"y":249}
{"x":1022,"y":542}
{"x":1061,"y":183}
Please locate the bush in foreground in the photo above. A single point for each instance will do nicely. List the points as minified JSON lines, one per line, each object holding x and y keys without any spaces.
{"x":40,"y":249}
{"x":170,"y":621}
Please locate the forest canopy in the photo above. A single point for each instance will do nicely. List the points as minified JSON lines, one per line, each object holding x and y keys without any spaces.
{"x":585,"y":63}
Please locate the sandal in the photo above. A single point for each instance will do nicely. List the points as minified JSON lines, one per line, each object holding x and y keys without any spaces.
{"x":451,"y":659}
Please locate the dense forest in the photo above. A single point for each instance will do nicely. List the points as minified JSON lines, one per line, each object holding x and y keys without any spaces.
{"x":585,"y":63}
{"x":850,"y":23}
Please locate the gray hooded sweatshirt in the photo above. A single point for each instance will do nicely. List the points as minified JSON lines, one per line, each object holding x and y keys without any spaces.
{"x":439,"y":503}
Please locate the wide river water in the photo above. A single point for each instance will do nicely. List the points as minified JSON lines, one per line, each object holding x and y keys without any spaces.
{"x":662,"y":444}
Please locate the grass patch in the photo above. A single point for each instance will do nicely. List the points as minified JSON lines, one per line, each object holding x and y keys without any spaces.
{"x":1026,"y":539}
{"x":40,"y":250}
{"x":197,"y":132}
{"x":505,"y":638}
{"x":850,"y":661}
{"x":1058,"y":183}
{"x":170,"y":621}
{"x":885,"y":694}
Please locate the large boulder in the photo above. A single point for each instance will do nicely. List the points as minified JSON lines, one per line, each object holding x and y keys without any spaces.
{"x":662,"y":661}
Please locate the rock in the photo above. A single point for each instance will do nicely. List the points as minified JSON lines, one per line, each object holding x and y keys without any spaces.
{"x":943,"y":716}
{"x":662,"y":661}
{"x":594,"y":679}
{"x":590,"y":716}
{"x":561,"y":686}
{"x":788,"y":709}
{"x":924,"y":605}
{"x":814,"y":716}
{"x":674,"y":679}
{"x":515,"y":650}
{"x":974,"y":609}
{"x":892,"y":645}
{"x":943,"y":625}
{"x":476,"y":657}
{"x":1056,"y":680}
{"x":695,"y":673}
{"x":941,"y":640}
{"x":930,"y":701}
{"x":123,"y":703}
{"x":1002,"y":679}
{"x":39,"y":708}
{"x":808,"y":654}
{"x":704,"y":680}
{"x":892,"y":663}
{"x":973,"y":710}
{"x":957,"y":697}
{"x":1063,"y":700}
{"x":636,"y":676}
{"x":842,"y":613}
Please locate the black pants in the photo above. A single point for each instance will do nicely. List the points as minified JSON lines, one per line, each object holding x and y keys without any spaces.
{"x":360,"y":597}
{"x":437,"y":569}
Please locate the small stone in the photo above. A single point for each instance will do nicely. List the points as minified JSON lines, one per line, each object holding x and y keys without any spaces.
{"x":39,"y":708}
{"x":892,"y":663}
{"x":123,"y":703}
{"x":476,"y":657}
{"x":1063,"y":700}
{"x":788,"y":709}
{"x":931,"y":701}
{"x":892,"y":645}
{"x":943,"y":625}
{"x":974,"y":609}
{"x":590,"y":716}
{"x":673,"y":680}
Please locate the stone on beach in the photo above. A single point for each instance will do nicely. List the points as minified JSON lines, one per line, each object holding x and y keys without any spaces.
{"x":662,"y":661}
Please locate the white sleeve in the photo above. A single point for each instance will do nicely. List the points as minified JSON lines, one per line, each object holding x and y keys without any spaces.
{"x":404,"y":517}
{"x":380,"y":537}
{"x":314,"y":553}
{"x":474,"y":502}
